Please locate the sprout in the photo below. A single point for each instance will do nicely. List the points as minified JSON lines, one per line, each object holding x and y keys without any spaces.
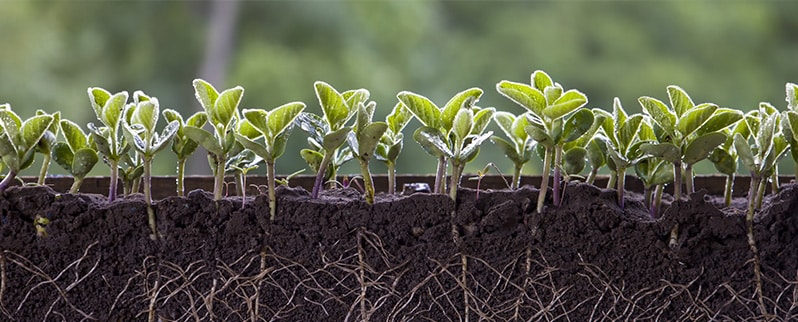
{"x":790,"y":123}
{"x":391,"y":143}
{"x":273,"y":128}
{"x":686,"y":133}
{"x":45,"y":145}
{"x":725,"y":157}
{"x":77,"y":155}
{"x":242,"y":163}
{"x":555,"y":118}
{"x":221,"y":110}
{"x":141,"y":134}
{"x":655,"y":174}
{"x":108,"y":109}
{"x":363,"y":141}
{"x":18,"y":141}
{"x":182,"y":145}
{"x":519,"y":147}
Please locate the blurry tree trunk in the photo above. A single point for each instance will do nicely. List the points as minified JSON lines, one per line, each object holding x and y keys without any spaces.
{"x":219,"y":42}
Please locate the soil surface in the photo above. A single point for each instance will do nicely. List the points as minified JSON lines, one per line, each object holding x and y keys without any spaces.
{"x":489,"y":256}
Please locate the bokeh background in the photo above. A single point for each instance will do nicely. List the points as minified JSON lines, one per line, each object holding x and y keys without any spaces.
{"x":734,"y":53}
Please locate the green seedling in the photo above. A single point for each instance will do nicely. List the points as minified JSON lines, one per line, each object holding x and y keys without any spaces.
{"x":76,"y":155}
{"x":482,"y":173}
{"x":555,"y":118}
{"x":18,"y":141}
{"x":363,"y":141}
{"x":327,"y":134}
{"x":141,"y":134}
{"x":686,"y":133}
{"x":520,"y":145}
{"x":46,"y":143}
{"x":575,"y":155}
{"x":273,"y":128}
{"x":655,"y":174}
{"x":790,"y":123}
{"x":438,"y":122}
{"x":391,"y":143}
{"x":221,"y":110}
{"x":285,"y":180}
{"x":759,"y":153}
{"x":725,"y":157}
{"x":596,"y":157}
{"x":182,"y":145}
{"x":239,"y":165}
{"x":108,"y":108}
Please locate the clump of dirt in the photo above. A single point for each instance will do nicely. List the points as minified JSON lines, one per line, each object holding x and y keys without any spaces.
{"x":488,"y":255}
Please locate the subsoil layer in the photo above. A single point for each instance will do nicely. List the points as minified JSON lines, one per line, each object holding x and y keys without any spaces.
{"x":489,"y":256}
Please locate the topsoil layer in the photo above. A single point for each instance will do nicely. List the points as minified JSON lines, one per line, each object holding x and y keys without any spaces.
{"x":422,"y":257}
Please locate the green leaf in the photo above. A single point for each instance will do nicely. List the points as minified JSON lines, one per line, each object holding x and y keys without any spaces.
{"x":62,"y":155}
{"x":792,"y":121}
{"x":203,"y":138}
{"x":282,"y":117}
{"x":74,"y":135}
{"x":541,"y":80}
{"x":258,"y":119}
{"x":146,"y":114}
{"x":744,"y":152}
{"x":508,"y":149}
{"x":133,"y":137}
{"x":433,"y":141}
{"x":694,"y":118}
{"x":33,"y":129}
{"x":567,"y":103}
{"x":422,"y":108}
{"x":334,"y":139}
{"x":393,"y":151}
{"x":552,"y":93}
{"x":539,"y":135}
{"x":574,"y":160}
{"x":206,"y":95}
{"x":167,"y":135}
{"x":595,"y":153}
{"x":368,"y":138}
{"x":482,"y":119}
{"x":11,"y":123}
{"x":258,"y":148}
{"x":659,"y":112}
{"x":700,"y":148}
{"x":171,"y":115}
{"x":627,"y":133}
{"x":792,"y":96}
{"x":680,"y":101}
{"x":336,"y":112}
{"x":245,"y":128}
{"x":764,"y":138}
{"x":112,"y":111}
{"x":519,"y":128}
{"x":463,"y":122}
{"x":98,"y":97}
{"x":530,"y":98}
{"x":398,"y":118}
{"x":723,"y":161}
{"x":313,"y":158}
{"x":665,"y":151}
{"x":505,"y":122}
{"x":83,"y":161}
{"x":578,"y":124}
{"x":721,"y":119}
{"x":463,"y":100}
{"x":197,"y":120}
{"x":226,"y":106}
{"x":472,"y":146}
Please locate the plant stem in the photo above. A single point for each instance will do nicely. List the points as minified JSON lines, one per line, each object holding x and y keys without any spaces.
{"x":760,"y":193}
{"x":239,"y":180}
{"x":272,"y":196}
{"x":621,"y":186}
{"x":677,"y":180}
{"x":7,"y":180}
{"x":516,"y":176}
{"x":749,"y":219}
{"x":218,"y":180}
{"x":647,"y":193}
{"x":391,"y":177}
{"x":557,"y":176}
{"x":114,"y":164}
{"x":457,"y":171}
{"x":320,"y":176}
{"x":43,"y":171}
{"x":727,"y":193}
{"x":148,"y":197}
{"x":367,"y":181}
{"x":440,"y":176}
{"x":688,"y":178}
{"x":591,"y":177}
{"x":181,"y":174}
{"x":752,"y":196}
{"x":242,"y":177}
{"x":612,"y":179}
{"x":544,"y":184}
{"x":774,"y":179}
{"x":76,"y":185}
{"x":655,"y":203}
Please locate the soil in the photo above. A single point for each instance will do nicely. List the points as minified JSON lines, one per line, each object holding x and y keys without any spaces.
{"x":489,"y":257}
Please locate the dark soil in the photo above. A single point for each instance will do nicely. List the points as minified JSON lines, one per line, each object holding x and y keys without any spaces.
{"x":419,"y":257}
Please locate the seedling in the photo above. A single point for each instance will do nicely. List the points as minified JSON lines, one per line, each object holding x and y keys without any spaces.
{"x":391,"y":143}
{"x":686,"y":133}
{"x":725,"y":157}
{"x":18,"y":141}
{"x":221,"y":110}
{"x":555,"y":118}
{"x":482,"y":173}
{"x":45,"y":145}
{"x":182,"y":145}
{"x":108,"y":109}
{"x":141,"y":134}
{"x":241,"y":164}
{"x":655,"y":174}
{"x":520,"y":145}
{"x":790,"y":123}
{"x":330,"y":132}
{"x":76,"y":155}
{"x":273,"y":128}
{"x":363,"y":141}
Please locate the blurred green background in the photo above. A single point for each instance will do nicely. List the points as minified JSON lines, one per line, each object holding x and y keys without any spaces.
{"x":733,"y":53}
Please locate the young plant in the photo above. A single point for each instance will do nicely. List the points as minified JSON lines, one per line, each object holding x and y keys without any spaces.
{"x":182,"y":145}
{"x":221,"y":110}
{"x":725,"y":157}
{"x":439,"y":122}
{"x":363,"y":140}
{"x":45,"y":145}
{"x":142,"y":136}
{"x":330,"y":132}
{"x":790,"y":123}
{"x":273,"y":128}
{"x":18,"y":141}
{"x":242,"y":163}
{"x":520,"y":145}
{"x":655,"y":174}
{"x":555,"y":118}
{"x":484,"y":172}
{"x":391,"y":143}
{"x":686,"y":133}
{"x":108,"y":108}
{"x":760,"y":157}
{"x":77,"y":155}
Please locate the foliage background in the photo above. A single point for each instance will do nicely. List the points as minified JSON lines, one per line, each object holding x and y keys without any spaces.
{"x":733,"y":53}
